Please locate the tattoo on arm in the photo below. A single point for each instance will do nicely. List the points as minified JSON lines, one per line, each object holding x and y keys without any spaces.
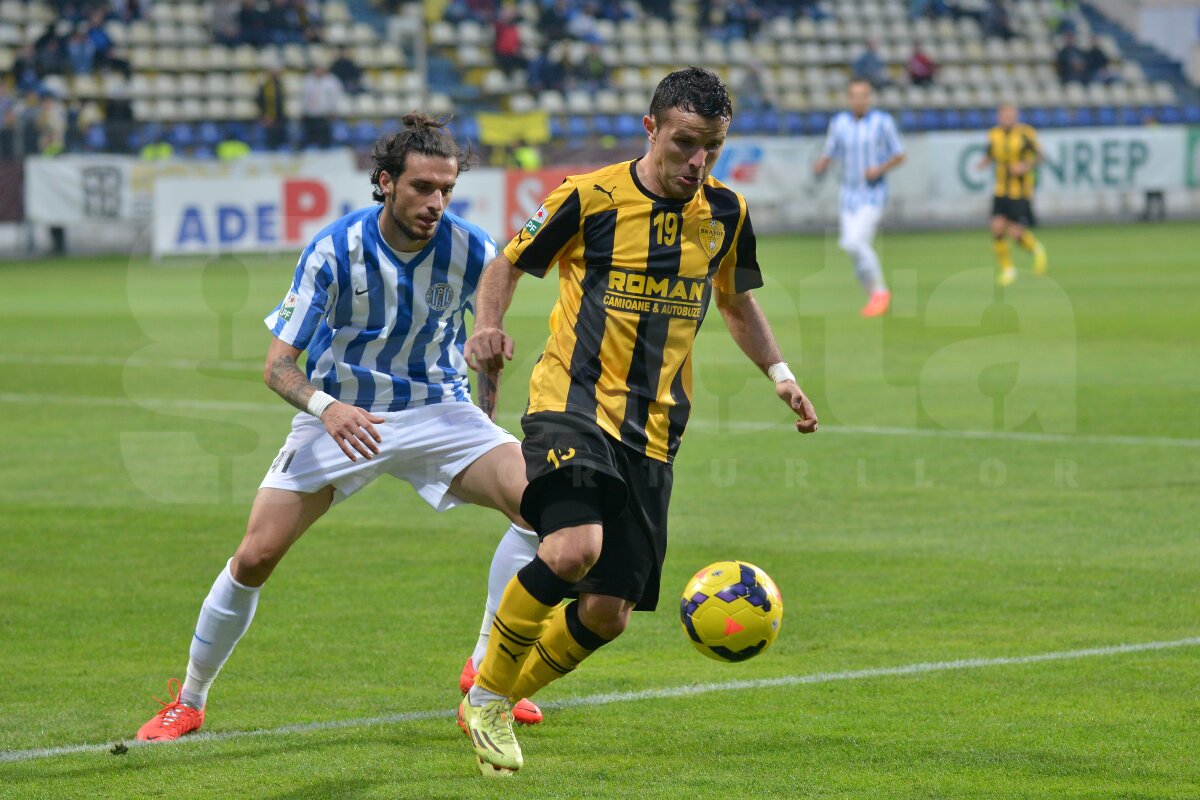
{"x":290,"y":382}
{"x":489,"y":392}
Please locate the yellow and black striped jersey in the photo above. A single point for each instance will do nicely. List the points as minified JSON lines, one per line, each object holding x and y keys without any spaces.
{"x":1007,"y":147}
{"x":636,"y":272}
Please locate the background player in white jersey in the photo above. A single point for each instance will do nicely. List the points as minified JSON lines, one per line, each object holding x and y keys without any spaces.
{"x":378,"y":301}
{"x":866,"y":143}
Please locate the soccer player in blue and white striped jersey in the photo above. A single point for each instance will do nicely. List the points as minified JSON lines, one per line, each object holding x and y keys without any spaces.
{"x":867,"y":145}
{"x":377,"y":301}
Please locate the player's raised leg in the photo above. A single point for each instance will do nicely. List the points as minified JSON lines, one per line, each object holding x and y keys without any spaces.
{"x":277,"y":519}
{"x":1024,"y":237}
{"x":576,"y":631}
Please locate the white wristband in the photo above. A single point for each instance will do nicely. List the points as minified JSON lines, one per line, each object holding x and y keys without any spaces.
{"x":318,"y":402}
{"x":780,"y":372}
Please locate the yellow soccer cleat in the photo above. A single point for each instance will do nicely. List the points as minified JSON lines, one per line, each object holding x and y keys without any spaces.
{"x":489,"y":727}
{"x":1039,"y":259}
{"x":1006,"y":276}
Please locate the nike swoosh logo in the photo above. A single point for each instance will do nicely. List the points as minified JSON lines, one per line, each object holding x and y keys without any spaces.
{"x":361,"y":291}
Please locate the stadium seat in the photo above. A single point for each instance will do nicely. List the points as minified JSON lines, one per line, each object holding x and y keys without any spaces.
{"x":1191,"y":115}
{"x":793,"y":123}
{"x":931,"y":120}
{"x":1106,"y":115}
{"x":181,"y":135}
{"x":1170,"y":115}
{"x":209,"y":134}
{"x":952,"y":119}
{"x":1060,"y":118}
{"x":604,"y":125}
{"x":1038,"y":117}
{"x":365,"y":133}
{"x":577,"y":127}
{"x":95,"y":138}
{"x":1083,"y":118}
{"x":974,"y":119}
{"x":629,"y":127}
{"x":816,"y":123}
{"x":341,"y":133}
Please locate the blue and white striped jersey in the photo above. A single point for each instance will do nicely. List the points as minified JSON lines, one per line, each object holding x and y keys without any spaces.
{"x":859,"y":144}
{"x":384,"y":330}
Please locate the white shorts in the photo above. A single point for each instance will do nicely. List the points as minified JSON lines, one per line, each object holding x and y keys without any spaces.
{"x":427,"y":446}
{"x":858,"y":226}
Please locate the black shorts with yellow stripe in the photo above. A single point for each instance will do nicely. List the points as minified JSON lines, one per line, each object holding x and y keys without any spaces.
{"x":1015,"y":210}
{"x":565,"y":451}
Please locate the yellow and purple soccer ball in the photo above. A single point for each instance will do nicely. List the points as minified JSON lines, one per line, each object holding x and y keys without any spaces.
{"x":731,"y":611}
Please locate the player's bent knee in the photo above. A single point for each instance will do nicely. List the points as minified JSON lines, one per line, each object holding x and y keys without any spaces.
{"x":607,"y":617}
{"x":571,"y":564}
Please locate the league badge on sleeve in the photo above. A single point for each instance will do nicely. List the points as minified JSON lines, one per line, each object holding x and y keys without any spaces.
{"x":288,"y":307}
{"x":536,"y":221}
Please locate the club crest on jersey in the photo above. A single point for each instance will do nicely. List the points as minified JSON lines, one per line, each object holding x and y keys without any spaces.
{"x":288,"y":307}
{"x":439,"y":297}
{"x":536,"y":221}
{"x":712,"y":234}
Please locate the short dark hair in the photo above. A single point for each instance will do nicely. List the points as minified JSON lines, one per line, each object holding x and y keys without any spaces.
{"x":421,"y":134}
{"x":693,"y":89}
{"x":860,"y":79}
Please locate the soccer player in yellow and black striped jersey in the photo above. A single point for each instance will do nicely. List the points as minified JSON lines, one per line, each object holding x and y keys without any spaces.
{"x":641,"y":248}
{"x":1013,"y":149}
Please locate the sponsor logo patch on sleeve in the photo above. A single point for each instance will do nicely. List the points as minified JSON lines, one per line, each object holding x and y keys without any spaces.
{"x":536,"y":221}
{"x":288,"y":307}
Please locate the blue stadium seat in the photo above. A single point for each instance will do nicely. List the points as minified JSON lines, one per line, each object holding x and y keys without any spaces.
{"x":577,"y":127}
{"x":1106,"y":115}
{"x":365,"y":133}
{"x":1084,"y":118}
{"x":974,"y":119}
{"x":209,"y":134}
{"x":604,"y":124}
{"x":464,"y":128}
{"x":1038,"y":117}
{"x":816,"y":123}
{"x":1191,"y":115}
{"x":95,"y":138}
{"x":341,"y":133}
{"x":181,"y":135}
{"x":909,"y":121}
{"x":744,"y":123}
{"x":769,"y":121}
{"x":239,"y":130}
{"x":204,"y":153}
{"x":1060,"y":118}
{"x":629,"y":127}
{"x":1170,"y":115}
{"x":930,"y":120}
{"x":558,"y":128}
{"x":952,"y":119}
{"x":794,"y":123}
{"x":1129,"y":116}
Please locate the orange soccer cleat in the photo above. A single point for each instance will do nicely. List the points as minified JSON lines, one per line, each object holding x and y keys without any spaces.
{"x":525,"y":712}
{"x":173,"y":720}
{"x":878,"y":304}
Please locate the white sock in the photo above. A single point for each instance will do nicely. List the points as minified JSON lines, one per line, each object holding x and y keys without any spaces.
{"x":516,"y":549}
{"x":868,"y":269}
{"x":478,"y":696}
{"x":224,"y":617}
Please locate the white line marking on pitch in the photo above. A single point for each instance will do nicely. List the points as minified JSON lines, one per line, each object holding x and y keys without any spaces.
{"x":167,"y":404}
{"x":646,"y":694}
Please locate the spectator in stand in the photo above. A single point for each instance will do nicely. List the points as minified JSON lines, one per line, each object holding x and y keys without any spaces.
{"x":24,"y":68}
{"x":51,"y":124}
{"x":927,"y":8}
{"x":51,"y":60}
{"x":552,"y":21}
{"x":752,"y":94}
{"x":252,"y":22}
{"x":659,"y":8}
{"x":870,"y":67}
{"x":118,"y":120}
{"x":348,"y":72}
{"x":282,"y":23}
{"x":996,"y":22}
{"x":105,"y":54}
{"x":592,"y":72}
{"x":8,"y":123}
{"x":582,"y":24}
{"x":920,"y":66}
{"x":1071,"y":63}
{"x":1098,"y":64}
{"x":81,"y":53}
{"x":1061,"y":19}
{"x":271,"y":109}
{"x":507,"y":45}
{"x":322,"y":95}
{"x":544,"y":72}
{"x":225,"y":22}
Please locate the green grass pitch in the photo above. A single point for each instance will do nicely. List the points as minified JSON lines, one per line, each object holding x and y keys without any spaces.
{"x":136,"y":428}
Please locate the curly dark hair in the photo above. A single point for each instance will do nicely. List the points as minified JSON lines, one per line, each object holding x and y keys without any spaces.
{"x":693,"y":89}
{"x":421,"y":134}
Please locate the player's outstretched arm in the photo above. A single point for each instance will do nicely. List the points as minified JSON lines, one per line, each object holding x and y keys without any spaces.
{"x":749,"y":327}
{"x":489,"y":346}
{"x":351,"y":427}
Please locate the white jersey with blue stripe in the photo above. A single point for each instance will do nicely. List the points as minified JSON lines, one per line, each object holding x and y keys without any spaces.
{"x":384,"y":330}
{"x":861,"y":143}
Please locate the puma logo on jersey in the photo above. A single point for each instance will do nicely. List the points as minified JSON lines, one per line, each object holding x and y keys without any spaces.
{"x":597,"y":187}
